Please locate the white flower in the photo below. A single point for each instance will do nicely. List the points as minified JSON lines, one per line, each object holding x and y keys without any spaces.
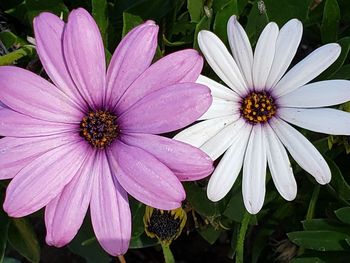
{"x":249,"y":121}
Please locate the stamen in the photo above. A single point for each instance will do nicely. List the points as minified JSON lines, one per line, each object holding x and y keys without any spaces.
{"x":258,"y":107}
{"x":99,"y":128}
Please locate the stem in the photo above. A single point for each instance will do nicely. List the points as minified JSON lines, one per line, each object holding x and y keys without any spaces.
{"x":241,"y":237}
{"x":312,"y":204}
{"x":311,"y":210}
{"x":168,"y":255}
{"x":121,"y":259}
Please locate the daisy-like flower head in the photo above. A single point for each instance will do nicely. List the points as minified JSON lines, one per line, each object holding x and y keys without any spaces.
{"x":249,"y":121}
{"x":90,"y":139}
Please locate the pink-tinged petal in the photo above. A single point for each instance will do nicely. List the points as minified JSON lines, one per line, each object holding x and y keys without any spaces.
{"x":29,"y":94}
{"x":48,"y":30}
{"x":187,"y":162}
{"x":44,"y":178}
{"x":2,"y":105}
{"x":16,"y":153}
{"x":168,"y":109}
{"x":85,"y":56}
{"x":181,"y":66}
{"x":65,"y":213}
{"x":109,"y":209}
{"x":145,"y":178}
{"x":18,"y":125}
{"x":133,"y":56}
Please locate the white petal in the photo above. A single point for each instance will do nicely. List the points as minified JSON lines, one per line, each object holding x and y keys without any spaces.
{"x":279,"y":165}
{"x":199,"y":133}
{"x":303,"y":151}
{"x":286,"y":46}
{"x":307,"y":69}
{"x":254,"y":171}
{"x":220,"y":108}
{"x":221,"y":61}
{"x":217,"y":90}
{"x":329,"y":121}
{"x":317,"y":94}
{"x":217,"y":145}
{"x":241,"y":48}
{"x":228,"y":168}
{"x":264,"y":54}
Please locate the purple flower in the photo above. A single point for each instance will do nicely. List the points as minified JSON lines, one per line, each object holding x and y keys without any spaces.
{"x":90,"y":138}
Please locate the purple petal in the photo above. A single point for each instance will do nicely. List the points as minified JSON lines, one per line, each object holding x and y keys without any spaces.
{"x":188,"y":163}
{"x":110,"y":212}
{"x":43,"y":179}
{"x":181,"y":66}
{"x":133,"y":56}
{"x":29,"y":94}
{"x":168,"y":109}
{"x":48,"y":30}
{"x":65,"y":213}
{"x":16,"y":153}
{"x":145,"y":178}
{"x":18,"y":125}
{"x":85,"y":56}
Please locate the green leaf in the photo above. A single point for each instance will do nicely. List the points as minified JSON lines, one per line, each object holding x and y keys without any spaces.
{"x":23,"y":239}
{"x":35,"y":7}
{"x":338,"y":182}
{"x":330,"y":21}
{"x":343,"y":72}
{"x":142,"y":241}
{"x":99,"y":12}
{"x":129,"y":22}
{"x":137,"y":212}
{"x":308,"y":260}
{"x":204,"y":24}
{"x":283,"y":10}
{"x":4,"y":225}
{"x":343,"y":214}
{"x":152,"y":9}
{"x":210,"y":234}
{"x":8,"y":39}
{"x":199,"y":200}
{"x":235,"y":208}
{"x":12,"y":57}
{"x":325,"y":224}
{"x":195,"y":8}
{"x":221,"y":18}
{"x":320,"y":240}
{"x":85,"y":245}
{"x":10,"y":260}
{"x":257,"y":20}
{"x":333,"y":69}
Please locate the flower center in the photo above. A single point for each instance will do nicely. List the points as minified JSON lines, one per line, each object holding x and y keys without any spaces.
{"x":258,"y":107}
{"x":164,"y":224}
{"x":99,"y":128}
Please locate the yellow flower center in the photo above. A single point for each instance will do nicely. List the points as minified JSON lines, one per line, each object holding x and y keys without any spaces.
{"x":99,"y":128}
{"x":258,"y":107}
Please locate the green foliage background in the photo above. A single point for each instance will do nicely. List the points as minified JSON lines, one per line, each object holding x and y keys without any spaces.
{"x":315,"y":227}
